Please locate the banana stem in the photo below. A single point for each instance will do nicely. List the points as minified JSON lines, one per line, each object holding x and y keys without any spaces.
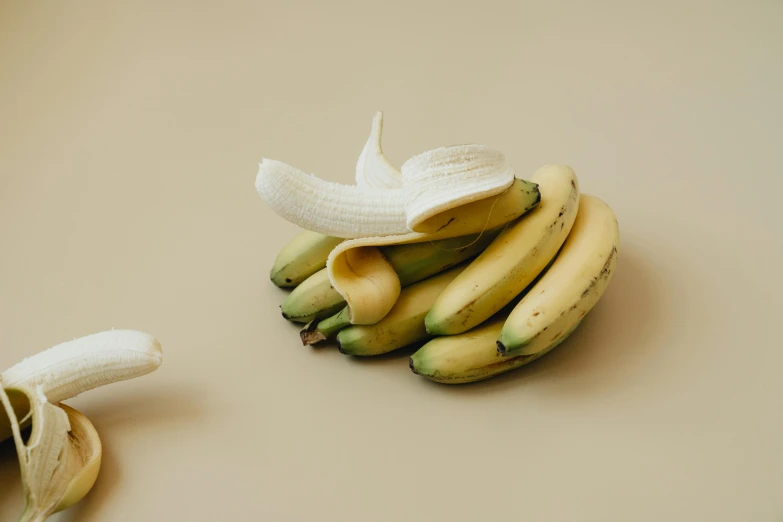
{"x":318,"y":331}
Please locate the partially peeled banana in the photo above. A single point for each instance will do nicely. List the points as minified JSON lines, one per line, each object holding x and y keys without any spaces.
{"x":544,"y":255}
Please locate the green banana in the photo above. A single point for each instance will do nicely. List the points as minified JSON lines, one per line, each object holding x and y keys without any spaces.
{"x":315,"y":298}
{"x":403,"y":325}
{"x":303,"y":256}
{"x":417,"y":261}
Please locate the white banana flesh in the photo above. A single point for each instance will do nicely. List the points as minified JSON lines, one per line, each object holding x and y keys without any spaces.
{"x":513,"y":260}
{"x":70,"y":368}
{"x":572,"y":285}
{"x":432,"y":183}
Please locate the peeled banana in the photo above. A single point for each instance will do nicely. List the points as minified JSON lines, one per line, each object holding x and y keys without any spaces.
{"x":60,"y":461}
{"x":571,"y":287}
{"x":303,"y":256}
{"x":513,"y":260}
{"x":61,"y":458}
{"x":349,"y":211}
{"x":79,"y":365}
{"x":403,"y":325}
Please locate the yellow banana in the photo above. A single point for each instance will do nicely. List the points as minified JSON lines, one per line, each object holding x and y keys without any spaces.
{"x":314,"y":298}
{"x":514,"y":258}
{"x":303,"y":256}
{"x":571,"y":287}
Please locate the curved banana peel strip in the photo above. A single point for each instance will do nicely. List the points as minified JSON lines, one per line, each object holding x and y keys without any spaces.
{"x":90,"y":453}
{"x":60,"y":461}
{"x":371,"y":286}
{"x":372,"y":290}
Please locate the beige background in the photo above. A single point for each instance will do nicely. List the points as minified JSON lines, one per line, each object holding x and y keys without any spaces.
{"x":130,"y":134}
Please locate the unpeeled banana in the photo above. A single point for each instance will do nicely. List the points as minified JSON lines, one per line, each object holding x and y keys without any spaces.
{"x":547,"y":314}
{"x":471,"y":356}
{"x":514,"y":258}
{"x":571,"y":287}
{"x":314,"y":298}
{"x":303,"y":256}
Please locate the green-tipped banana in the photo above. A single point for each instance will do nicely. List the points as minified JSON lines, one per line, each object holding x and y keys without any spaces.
{"x":571,"y":287}
{"x":470,"y":356}
{"x":418,"y":261}
{"x":316,"y":299}
{"x":403,"y":325}
{"x":303,"y":256}
{"x":513,"y":260}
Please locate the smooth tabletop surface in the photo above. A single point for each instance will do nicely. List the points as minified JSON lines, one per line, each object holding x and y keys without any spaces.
{"x":130,"y":136}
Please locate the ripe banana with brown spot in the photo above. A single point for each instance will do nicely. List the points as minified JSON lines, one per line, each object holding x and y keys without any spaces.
{"x":571,"y":287}
{"x":513,"y":260}
{"x":471,"y":356}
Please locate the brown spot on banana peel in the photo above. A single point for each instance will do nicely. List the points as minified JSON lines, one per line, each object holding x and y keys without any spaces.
{"x":604,"y":273}
{"x":447,"y":224}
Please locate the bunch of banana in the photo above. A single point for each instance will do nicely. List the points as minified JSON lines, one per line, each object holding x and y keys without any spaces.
{"x":491,"y":281}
